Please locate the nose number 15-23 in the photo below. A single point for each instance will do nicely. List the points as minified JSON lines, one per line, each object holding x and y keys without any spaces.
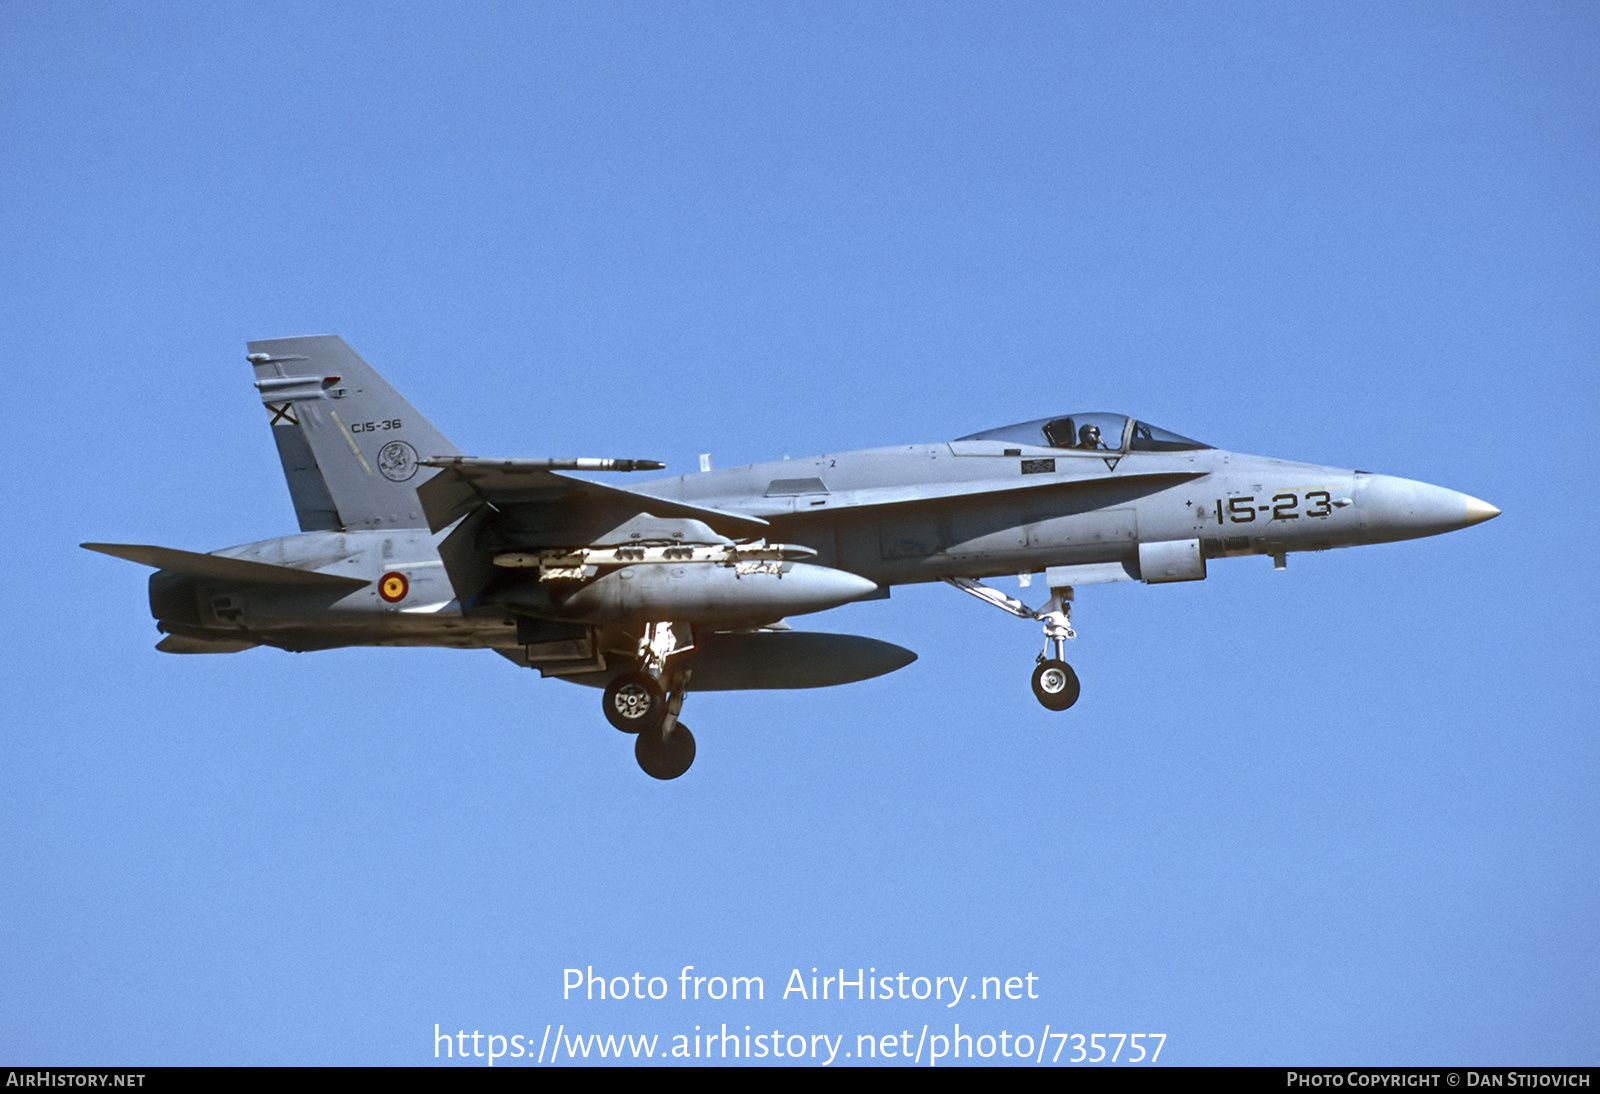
{"x":1285,"y":506}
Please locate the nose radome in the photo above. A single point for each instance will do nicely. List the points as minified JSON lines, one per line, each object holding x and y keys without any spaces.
{"x":1395,"y":508}
{"x":1479,"y":511}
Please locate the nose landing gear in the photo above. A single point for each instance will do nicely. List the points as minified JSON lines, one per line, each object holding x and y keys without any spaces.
{"x":1055,"y":685}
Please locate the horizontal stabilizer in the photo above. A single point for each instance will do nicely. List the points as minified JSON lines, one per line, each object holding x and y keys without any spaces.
{"x":221,"y":568}
{"x":183,"y":643}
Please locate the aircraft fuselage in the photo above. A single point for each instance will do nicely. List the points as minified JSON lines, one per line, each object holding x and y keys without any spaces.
{"x":893,"y":516}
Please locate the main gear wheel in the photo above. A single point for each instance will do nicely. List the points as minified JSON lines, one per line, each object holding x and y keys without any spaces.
{"x":634,"y":702}
{"x":668,"y":757}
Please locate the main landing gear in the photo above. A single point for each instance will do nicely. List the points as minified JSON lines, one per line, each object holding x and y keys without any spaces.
{"x":1055,"y":685}
{"x":666,"y":751}
{"x":633,"y":701}
{"x":636,"y":702}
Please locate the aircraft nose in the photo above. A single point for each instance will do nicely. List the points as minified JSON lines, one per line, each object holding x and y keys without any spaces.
{"x":1479,"y":511}
{"x":1394,"y":508}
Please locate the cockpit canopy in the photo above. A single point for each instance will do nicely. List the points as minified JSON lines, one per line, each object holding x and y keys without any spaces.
{"x":1109,"y":432}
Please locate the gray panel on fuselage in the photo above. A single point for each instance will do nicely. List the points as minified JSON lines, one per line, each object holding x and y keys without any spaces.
{"x":910,"y":535}
{"x":1099,"y":535}
{"x":978,"y":536}
{"x":979,"y":531}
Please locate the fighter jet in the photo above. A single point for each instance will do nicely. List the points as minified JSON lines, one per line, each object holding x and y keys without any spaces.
{"x":649,"y":591}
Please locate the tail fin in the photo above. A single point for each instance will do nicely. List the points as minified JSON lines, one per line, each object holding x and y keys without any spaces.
{"x":350,"y":443}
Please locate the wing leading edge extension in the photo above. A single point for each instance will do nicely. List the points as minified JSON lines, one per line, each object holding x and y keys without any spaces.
{"x":465,"y":484}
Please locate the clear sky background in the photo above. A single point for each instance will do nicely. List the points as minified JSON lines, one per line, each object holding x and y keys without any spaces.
{"x":1342,"y":814}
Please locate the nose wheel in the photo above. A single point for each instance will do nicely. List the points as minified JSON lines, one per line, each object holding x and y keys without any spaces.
{"x":1055,"y":685}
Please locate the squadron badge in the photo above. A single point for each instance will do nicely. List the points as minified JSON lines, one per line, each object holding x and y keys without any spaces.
{"x":397,"y":460}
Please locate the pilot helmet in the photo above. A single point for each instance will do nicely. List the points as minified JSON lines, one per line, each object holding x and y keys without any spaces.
{"x":1089,"y":436}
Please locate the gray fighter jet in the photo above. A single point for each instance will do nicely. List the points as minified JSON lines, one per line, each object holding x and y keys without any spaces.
{"x":652,"y":590}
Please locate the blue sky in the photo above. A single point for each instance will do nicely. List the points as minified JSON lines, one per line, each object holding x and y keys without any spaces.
{"x":1339,"y":814}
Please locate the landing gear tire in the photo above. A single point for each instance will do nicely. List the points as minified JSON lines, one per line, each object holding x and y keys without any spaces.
{"x":634,"y":701}
{"x":1055,"y":685}
{"x":665,"y":759}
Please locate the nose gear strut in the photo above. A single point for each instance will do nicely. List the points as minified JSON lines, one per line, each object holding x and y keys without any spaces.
{"x":1055,"y":685}
{"x":1056,"y":616}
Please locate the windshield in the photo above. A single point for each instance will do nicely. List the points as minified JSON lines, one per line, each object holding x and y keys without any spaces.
{"x":1089,"y":432}
{"x":1150,"y":438}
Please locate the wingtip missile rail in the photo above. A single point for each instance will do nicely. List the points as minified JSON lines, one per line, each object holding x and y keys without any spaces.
{"x":481,"y":463}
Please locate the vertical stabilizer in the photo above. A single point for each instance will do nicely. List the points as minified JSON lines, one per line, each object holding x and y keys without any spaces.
{"x":350,"y":443}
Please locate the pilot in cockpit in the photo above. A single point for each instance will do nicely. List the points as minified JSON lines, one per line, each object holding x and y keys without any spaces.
{"x":1089,"y":437}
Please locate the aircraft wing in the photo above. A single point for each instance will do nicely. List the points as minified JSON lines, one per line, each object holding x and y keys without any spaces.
{"x":508,"y":486}
{"x":222,"y":568}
